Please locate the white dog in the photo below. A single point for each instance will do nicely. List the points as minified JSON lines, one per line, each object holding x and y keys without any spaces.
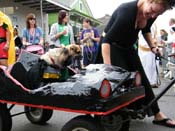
{"x":57,"y":58}
{"x":61,"y":56}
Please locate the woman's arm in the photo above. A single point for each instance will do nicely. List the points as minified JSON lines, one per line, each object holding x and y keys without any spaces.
{"x":106,"y":53}
{"x":24,"y":41}
{"x":24,"y":37}
{"x":54,"y":34}
{"x":82,"y":38}
{"x":151,"y":42}
{"x":41,"y":40}
{"x":96,"y":37}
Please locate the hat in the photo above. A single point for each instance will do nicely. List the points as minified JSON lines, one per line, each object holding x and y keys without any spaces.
{"x":172,"y":29}
{"x":15,"y":26}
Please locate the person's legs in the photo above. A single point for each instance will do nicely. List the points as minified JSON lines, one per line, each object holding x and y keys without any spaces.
{"x":134,"y":64}
{"x":85,"y":60}
{"x":159,"y":117}
{"x":129,"y":60}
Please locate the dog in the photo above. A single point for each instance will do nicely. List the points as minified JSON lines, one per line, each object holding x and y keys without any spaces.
{"x":62,"y":56}
{"x":56,"y":58}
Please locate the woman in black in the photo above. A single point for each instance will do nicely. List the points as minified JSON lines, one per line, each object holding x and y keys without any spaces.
{"x":18,"y":42}
{"x":120,"y":35}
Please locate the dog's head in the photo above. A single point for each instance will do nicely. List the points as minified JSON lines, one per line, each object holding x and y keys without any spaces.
{"x":74,"y":50}
{"x":63,"y":58}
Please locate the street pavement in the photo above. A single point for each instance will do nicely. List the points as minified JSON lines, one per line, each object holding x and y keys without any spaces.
{"x":167,"y":105}
{"x":59,"y":118}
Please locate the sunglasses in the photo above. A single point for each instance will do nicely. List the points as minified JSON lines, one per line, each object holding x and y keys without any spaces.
{"x":32,"y":18}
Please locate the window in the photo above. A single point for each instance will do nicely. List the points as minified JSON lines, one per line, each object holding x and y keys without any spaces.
{"x":81,"y":6}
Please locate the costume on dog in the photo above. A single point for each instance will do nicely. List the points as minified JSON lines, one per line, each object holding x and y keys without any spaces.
{"x":52,"y":66}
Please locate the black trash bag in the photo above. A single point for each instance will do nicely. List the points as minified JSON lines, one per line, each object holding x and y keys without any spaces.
{"x":35,"y":74}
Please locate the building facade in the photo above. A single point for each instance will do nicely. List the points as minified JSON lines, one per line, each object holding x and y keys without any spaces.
{"x":46,"y":12}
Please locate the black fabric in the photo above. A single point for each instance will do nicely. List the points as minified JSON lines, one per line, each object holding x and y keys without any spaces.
{"x":34,"y":75}
{"x":53,"y":46}
{"x":19,"y":73}
{"x":129,"y":60}
{"x":173,"y":28}
{"x":121,"y":26}
{"x":121,"y":35}
{"x":2,"y":40}
{"x":99,"y":58}
{"x":18,"y":42}
{"x":5,"y":26}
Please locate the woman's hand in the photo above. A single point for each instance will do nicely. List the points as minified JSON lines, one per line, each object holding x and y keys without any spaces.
{"x":6,"y":47}
{"x":157,"y":51}
{"x":27,"y":43}
{"x":64,"y":32}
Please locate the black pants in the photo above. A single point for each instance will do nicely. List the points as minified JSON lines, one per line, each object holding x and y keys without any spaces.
{"x":129,"y":60}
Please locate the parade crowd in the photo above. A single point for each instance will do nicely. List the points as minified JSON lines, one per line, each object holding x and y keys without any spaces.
{"x":133,"y":43}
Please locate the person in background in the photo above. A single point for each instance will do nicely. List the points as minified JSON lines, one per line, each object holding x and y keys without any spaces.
{"x":163,"y":35}
{"x":7,"y":47}
{"x":122,"y":32}
{"x":89,"y":39}
{"x":32,"y":34}
{"x":18,"y":42}
{"x":170,"y":48}
{"x":171,"y":36}
{"x":148,"y":58}
{"x":78,"y":37}
{"x":61,"y":32}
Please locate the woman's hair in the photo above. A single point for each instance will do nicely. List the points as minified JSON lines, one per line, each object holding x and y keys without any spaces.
{"x":164,"y":31}
{"x":16,"y":31}
{"x":61,"y":15}
{"x":172,"y":20}
{"x":167,"y":3}
{"x":87,"y":21}
{"x":29,"y":17}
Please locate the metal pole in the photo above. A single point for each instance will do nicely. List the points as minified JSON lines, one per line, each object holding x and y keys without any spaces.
{"x":41,"y":9}
{"x":160,"y":94}
{"x":42,"y":22}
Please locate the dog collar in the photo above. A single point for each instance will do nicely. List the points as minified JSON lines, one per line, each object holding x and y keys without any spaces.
{"x":53,"y":62}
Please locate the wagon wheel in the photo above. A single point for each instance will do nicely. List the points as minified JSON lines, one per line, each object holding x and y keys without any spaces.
{"x":5,"y":119}
{"x":82,"y":123}
{"x":38,"y":115}
{"x":118,"y":121}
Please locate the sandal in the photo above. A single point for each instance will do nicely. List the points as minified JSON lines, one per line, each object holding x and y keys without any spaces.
{"x":164,"y":122}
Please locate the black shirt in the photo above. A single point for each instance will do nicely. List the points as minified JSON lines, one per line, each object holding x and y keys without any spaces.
{"x":18,"y":42}
{"x":121,"y":27}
